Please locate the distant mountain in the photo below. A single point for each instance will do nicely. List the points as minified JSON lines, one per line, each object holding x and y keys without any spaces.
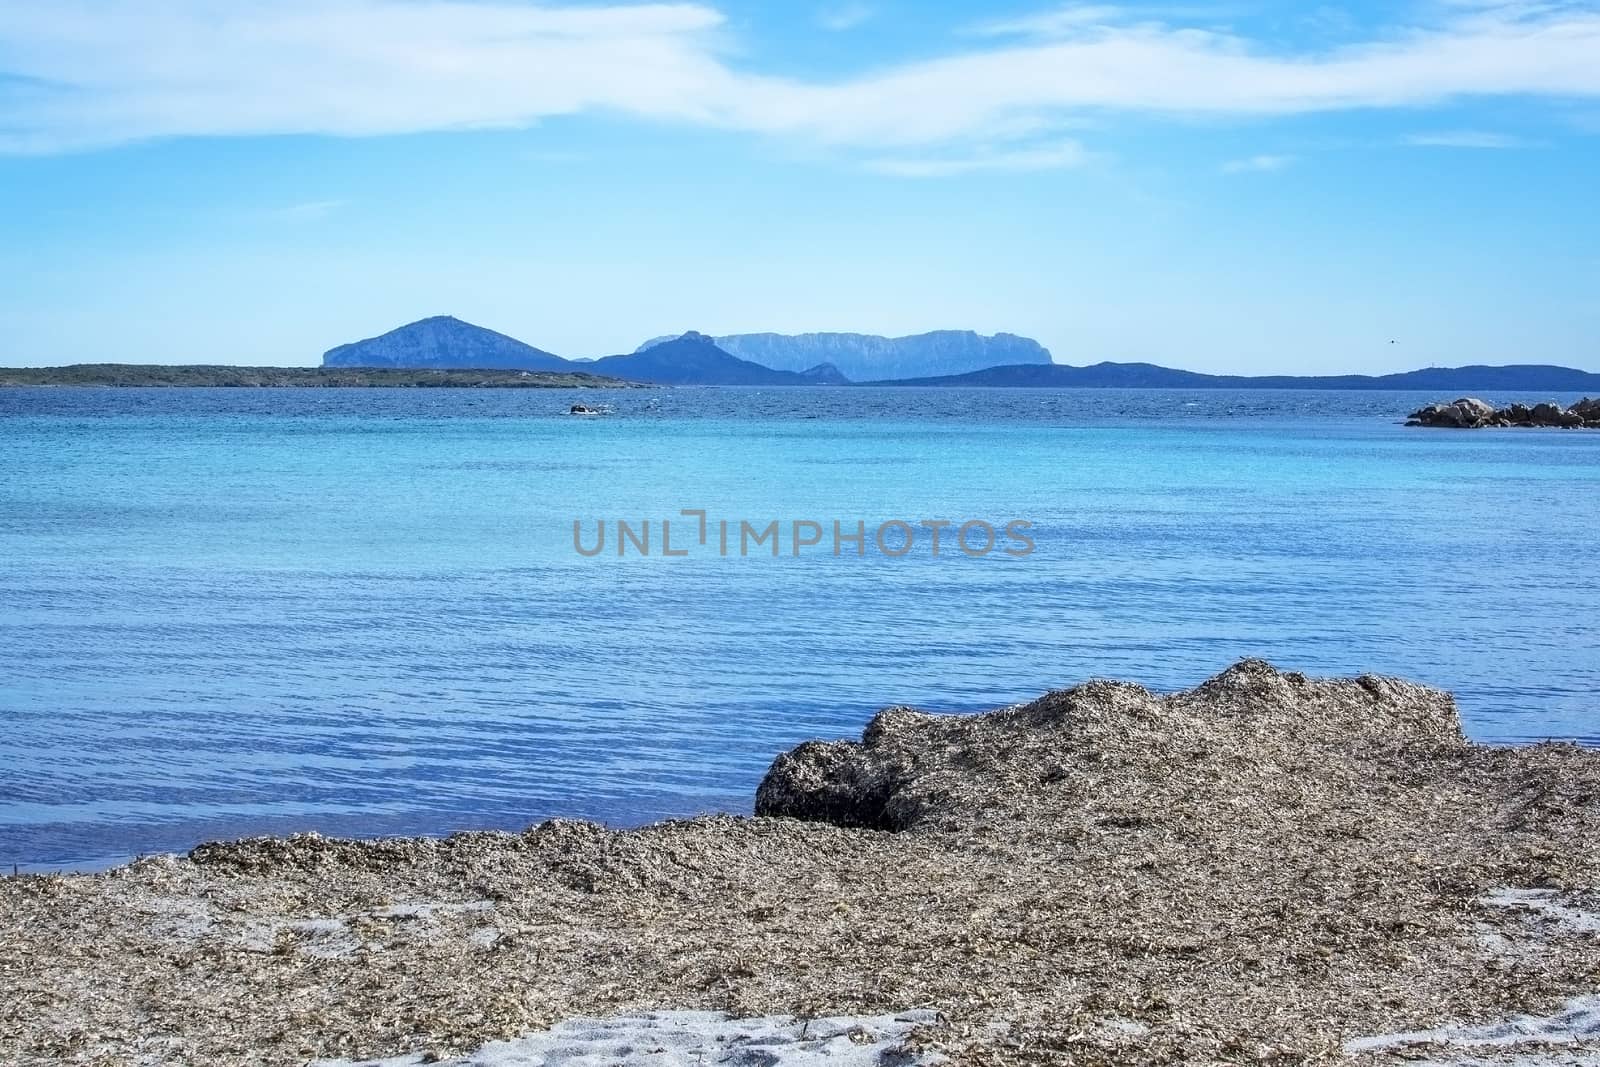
{"x":695,"y":359}
{"x":861,"y":357}
{"x":443,"y":342}
{"x":1520,"y":378}
{"x":824,"y":374}
{"x":446,"y":343}
{"x":1059,"y":375}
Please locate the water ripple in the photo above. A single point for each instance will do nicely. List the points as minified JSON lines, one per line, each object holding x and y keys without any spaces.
{"x":239,"y":612}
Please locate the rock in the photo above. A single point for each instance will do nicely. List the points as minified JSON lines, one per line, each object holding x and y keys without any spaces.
{"x":1468,"y":413}
{"x":1432,"y":415}
{"x":836,"y":782}
{"x":1588,"y":410}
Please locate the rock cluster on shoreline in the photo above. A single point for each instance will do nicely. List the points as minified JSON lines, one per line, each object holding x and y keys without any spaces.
{"x":1268,"y":868}
{"x":1470,"y":413}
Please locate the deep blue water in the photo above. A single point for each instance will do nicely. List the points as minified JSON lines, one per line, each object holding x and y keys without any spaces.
{"x":226,"y":612}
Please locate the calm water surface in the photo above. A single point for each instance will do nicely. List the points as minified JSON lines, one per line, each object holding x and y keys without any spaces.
{"x":227,"y":612}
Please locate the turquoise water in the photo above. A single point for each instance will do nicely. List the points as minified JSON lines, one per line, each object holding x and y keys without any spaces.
{"x":230,"y":612}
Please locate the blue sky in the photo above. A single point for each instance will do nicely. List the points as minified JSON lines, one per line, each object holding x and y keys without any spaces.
{"x":1243,"y":187}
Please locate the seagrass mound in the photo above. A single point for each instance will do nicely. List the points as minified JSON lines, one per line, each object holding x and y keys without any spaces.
{"x":1267,"y":868}
{"x":913,"y":770}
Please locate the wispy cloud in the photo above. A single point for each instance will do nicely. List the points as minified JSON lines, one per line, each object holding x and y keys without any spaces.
{"x":1059,"y":22}
{"x":844,"y":16}
{"x":1256,"y":164}
{"x":1046,"y":157}
{"x":79,"y":74}
{"x":1465,"y":139}
{"x":1078,"y":18}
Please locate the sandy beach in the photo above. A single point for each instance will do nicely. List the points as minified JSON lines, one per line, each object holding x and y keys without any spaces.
{"x":1267,"y":868}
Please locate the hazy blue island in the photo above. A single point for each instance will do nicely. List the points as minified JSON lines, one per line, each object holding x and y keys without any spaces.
{"x":769,"y":359}
{"x":443,"y":343}
{"x":445,"y":352}
{"x":1520,"y":377}
{"x":695,"y":359}
{"x":865,"y":357}
{"x":446,"y":342}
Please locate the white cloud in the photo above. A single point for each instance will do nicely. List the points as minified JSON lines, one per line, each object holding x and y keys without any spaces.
{"x":107,"y":71}
{"x":844,"y":17}
{"x":89,"y":73}
{"x":1046,"y":157}
{"x":1190,"y":73}
{"x":1256,"y":164}
{"x":1465,"y":139}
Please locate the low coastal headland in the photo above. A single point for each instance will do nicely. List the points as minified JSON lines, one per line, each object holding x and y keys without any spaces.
{"x":1470,"y":413}
{"x":133,"y":375}
{"x":1266,"y":868}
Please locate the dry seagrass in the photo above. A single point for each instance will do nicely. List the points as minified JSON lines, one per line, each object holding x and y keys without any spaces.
{"x":1259,"y":869}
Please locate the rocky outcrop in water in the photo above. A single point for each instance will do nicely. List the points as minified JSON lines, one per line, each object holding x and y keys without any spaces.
{"x":1470,"y":413}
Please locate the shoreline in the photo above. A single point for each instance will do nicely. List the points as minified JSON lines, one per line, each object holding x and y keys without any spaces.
{"x":90,"y":868}
{"x":1265,"y":867}
{"x":219,"y":376}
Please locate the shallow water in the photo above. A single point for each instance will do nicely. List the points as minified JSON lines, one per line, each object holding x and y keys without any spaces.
{"x":360,"y":611}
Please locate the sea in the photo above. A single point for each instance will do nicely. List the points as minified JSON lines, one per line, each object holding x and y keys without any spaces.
{"x":381,"y":611}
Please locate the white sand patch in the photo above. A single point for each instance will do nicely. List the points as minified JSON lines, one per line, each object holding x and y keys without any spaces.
{"x":1550,"y":911}
{"x":1569,"y":1058}
{"x":181,"y":919}
{"x":1547,"y":904}
{"x":1115,"y":1027}
{"x":325,"y":938}
{"x":428,"y":911}
{"x":1523,"y":1040}
{"x":1578,"y":1020}
{"x":329,"y":937}
{"x":697,"y":1039}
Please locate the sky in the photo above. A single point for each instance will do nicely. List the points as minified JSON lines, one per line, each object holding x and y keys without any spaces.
{"x":1240,"y":187}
